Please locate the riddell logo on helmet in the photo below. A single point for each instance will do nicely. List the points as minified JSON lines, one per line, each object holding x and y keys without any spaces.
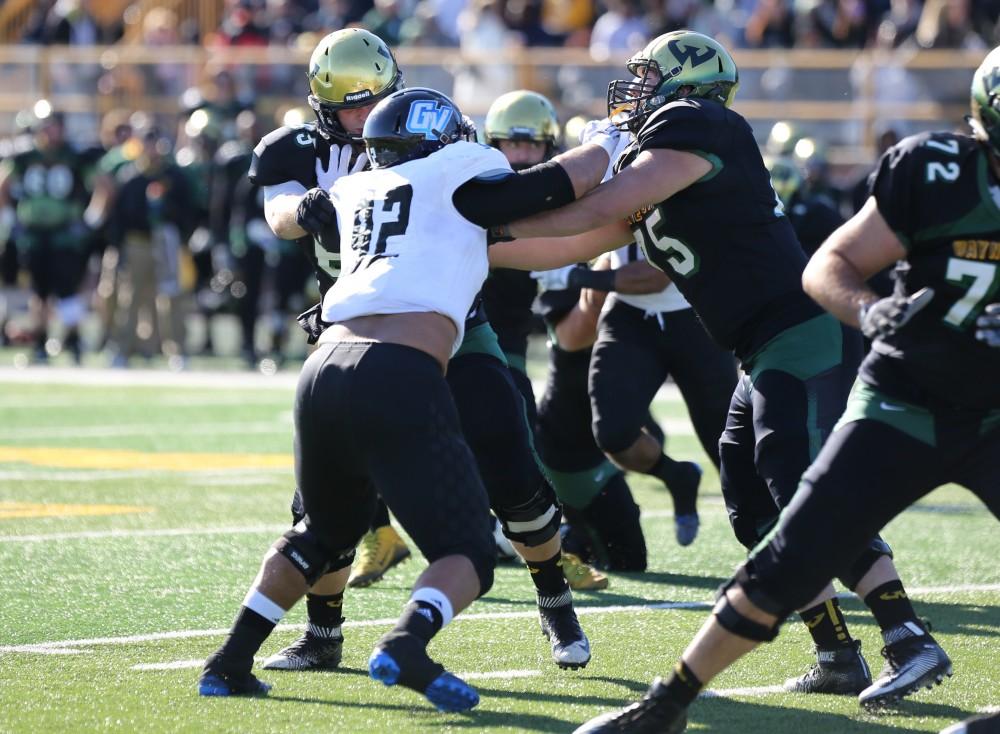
{"x":358,"y":96}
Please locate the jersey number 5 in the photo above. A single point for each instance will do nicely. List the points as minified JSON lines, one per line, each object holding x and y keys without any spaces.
{"x":681,"y":258}
{"x":379,"y":219}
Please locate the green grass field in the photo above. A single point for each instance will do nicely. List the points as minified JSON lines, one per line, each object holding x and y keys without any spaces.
{"x":134,"y":516}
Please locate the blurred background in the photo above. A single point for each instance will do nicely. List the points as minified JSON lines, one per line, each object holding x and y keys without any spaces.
{"x":187,"y":87}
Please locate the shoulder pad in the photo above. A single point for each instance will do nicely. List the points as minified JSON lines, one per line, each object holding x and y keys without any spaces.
{"x":684,"y":124}
{"x":286,"y":154}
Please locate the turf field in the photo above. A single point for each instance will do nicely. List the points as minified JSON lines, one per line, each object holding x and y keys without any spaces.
{"x":134,"y":509}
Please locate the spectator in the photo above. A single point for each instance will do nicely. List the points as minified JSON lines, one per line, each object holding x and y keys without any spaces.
{"x":483,"y":30}
{"x":948,"y":24}
{"x":899,"y":24}
{"x":385,"y":20}
{"x":423,"y":28}
{"x":525,"y":18}
{"x":619,"y":31}
{"x":159,"y":28}
{"x":840,"y":23}
{"x":771,"y":25}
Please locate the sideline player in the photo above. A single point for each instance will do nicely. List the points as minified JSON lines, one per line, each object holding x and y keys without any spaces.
{"x":742,"y":275}
{"x":491,"y":409}
{"x":927,"y":397}
{"x":372,"y":406}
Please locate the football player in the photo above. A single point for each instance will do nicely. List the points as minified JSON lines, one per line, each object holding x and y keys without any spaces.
{"x":372,"y":407}
{"x":603,"y":516}
{"x":927,"y":397}
{"x":296,"y":176}
{"x":742,"y":275}
{"x":44,"y":187}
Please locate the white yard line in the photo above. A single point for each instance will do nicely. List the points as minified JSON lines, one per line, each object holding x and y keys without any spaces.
{"x":144,"y":377}
{"x":217,"y":476}
{"x":751,"y":691}
{"x":66,"y":646}
{"x":141,"y":533}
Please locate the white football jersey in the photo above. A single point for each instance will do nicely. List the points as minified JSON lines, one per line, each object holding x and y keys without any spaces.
{"x":404,"y":247}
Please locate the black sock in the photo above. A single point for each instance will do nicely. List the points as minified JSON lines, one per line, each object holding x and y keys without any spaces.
{"x":890,"y":605}
{"x":420,"y":619}
{"x":674,"y":474}
{"x":381,"y":518}
{"x":683,"y":685}
{"x":548,"y":576}
{"x":246,"y":636}
{"x":325,"y":613}
{"x":826,"y":625}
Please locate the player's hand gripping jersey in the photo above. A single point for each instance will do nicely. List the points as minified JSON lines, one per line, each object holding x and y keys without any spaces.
{"x":399,"y":230}
{"x":937,"y":193}
{"x":724,"y":241}
{"x":292,"y":154}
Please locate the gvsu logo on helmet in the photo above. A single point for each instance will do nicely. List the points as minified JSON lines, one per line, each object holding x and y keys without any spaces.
{"x":429,"y":118}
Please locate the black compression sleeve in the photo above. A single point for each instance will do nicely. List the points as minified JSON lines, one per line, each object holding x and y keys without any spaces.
{"x":537,"y":189}
{"x":598,"y":280}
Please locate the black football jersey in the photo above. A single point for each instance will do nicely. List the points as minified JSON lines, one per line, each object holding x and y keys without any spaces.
{"x":725,"y":240}
{"x":937,"y":193}
{"x":290,"y":154}
{"x":508,"y":295}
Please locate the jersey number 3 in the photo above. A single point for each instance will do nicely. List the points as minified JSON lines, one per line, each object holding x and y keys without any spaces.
{"x":379,"y":219}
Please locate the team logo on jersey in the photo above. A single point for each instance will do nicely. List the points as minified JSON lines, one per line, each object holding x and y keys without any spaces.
{"x":637,"y":216}
{"x":426,"y":117}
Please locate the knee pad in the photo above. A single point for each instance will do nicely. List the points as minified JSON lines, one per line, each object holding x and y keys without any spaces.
{"x":749,"y":529}
{"x":735,"y":621}
{"x":532,"y":522}
{"x":484,"y":566}
{"x":308,"y":553}
{"x":876,"y":549}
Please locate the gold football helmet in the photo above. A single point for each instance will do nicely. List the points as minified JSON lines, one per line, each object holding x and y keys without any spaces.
{"x":522,"y":115}
{"x":349,"y":68}
{"x":674,"y":65}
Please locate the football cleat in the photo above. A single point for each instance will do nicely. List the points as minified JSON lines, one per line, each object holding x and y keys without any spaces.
{"x":570,"y":646}
{"x":216,"y":681}
{"x":685,"y":489}
{"x":309,"y":652}
{"x":654,"y":714}
{"x":380,"y":550}
{"x":400,"y":658}
{"x":841,"y":671}
{"x":913,"y":660}
{"x":581,"y":576}
{"x":686,"y":528}
{"x":988,"y":723}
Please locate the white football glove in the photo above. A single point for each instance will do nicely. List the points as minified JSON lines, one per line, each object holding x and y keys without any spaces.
{"x":602,"y":133}
{"x":988,"y":325}
{"x":339,"y":165}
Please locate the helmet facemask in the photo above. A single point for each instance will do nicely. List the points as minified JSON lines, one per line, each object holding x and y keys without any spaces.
{"x":985,"y":118}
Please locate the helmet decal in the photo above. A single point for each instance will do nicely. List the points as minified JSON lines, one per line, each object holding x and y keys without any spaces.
{"x":429,"y":118}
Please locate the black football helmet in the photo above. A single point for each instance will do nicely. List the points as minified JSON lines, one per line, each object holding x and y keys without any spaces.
{"x":413,"y":123}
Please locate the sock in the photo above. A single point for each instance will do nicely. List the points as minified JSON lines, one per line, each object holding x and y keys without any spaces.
{"x":826,"y":625}
{"x":245,"y":637}
{"x":890,"y":605}
{"x":325,"y":614}
{"x":672,"y":474}
{"x":381,"y":518}
{"x":548,"y":577}
{"x":421,"y":619}
{"x":683,"y":685}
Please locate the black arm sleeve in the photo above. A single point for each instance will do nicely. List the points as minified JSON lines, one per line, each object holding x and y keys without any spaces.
{"x":537,"y":189}
{"x":598,"y":280}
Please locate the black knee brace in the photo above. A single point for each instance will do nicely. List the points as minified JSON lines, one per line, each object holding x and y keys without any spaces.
{"x":876,"y":549}
{"x":734,"y":621}
{"x":532,"y":522}
{"x":309,"y":554}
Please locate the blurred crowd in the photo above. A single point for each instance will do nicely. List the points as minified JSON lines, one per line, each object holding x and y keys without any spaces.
{"x":607,"y":27}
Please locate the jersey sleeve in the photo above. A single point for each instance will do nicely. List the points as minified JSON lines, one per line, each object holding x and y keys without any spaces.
{"x":555,"y":303}
{"x":893,"y":183}
{"x":681,"y":125}
{"x":502,"y":200}
{"x":287,"y":154}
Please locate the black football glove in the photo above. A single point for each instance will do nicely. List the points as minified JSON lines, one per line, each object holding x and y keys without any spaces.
{"x":886,"y":316}
{"x":315,"y":212}
{"x":988,"y":325}
{"x":312,"y":323}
